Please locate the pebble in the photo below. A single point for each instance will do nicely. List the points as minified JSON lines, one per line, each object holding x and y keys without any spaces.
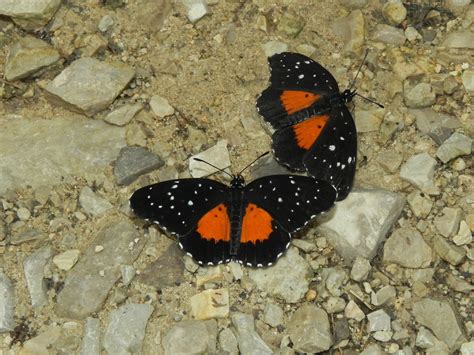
{"x":66,"y":260}
{"x":389,"y":160}
{"x":209,"y":275}
{"x":7,"y":304}
{"x":382,"y":335}
{"x":273,"y":315}
{"x":213,"y":303}
{"x":92,"y":203}
{"x":389,"y":35}
{"x":347,"y":228}
{"x":34,"y":273}
{"x":218,"y":155}
{"x":28,"y":56}
{"x":105,"y":23}
{"x":288,"y":278}
{"x":360,"y":269}
{"x":160,"y":106}
{"x":406,"y":247}
{"x":88,"y":85}
{"x":90,"y":344}
{"x":368,"y":120}
{"x":353,"y":311}
{"x":228,"y":341}
{"x":456,"y":145}
{"x":123,"y":115}
{"x":464,"y":235}
{"x":468,"y":81}
{"x":42,"y":343}
{"x":126,"y":329}
{"x":412,"y":34}
{"x":250,"y":343}
{"x":291,"y":24}
{"x":419,"y":96}
{"x":437,"y":125}
{"x":134,"y":162}
{"x":467,"y":348}
{"x":128,"y":272}
{"x":425,"y":339}
{"x":461,"y":39}
{"x":419,"y":203}
{"x":448,"y":223}
{"x":122,"y":246}
{"x":23,"y":214}
{"x":450,"y":85}
{"x":274,"y":47}
{"x":440,"y":317}
{"x":394,"y":12}
{"x":194,"y":336}
{"x":458,"y":284}
{"x":27,"y":235}
{"x":385,"y":295}
{"x":309,"y":329}
{"x":447,"y":251}
{"x":351,"y":29}
{"x":419,"y":171}
{"x":332,"y":281}
{"x":378,"y":321}
{"x":197,"y":9}
{"x":304,"y":245}
{"x":78,"y":148}
{"x":30,"y":14}
{"x":334,"y":305}
{"x":236,"y":270}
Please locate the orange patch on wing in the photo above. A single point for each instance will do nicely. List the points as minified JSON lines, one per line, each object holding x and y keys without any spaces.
{"x":306,"y":132}
{"x":256,"y":225}
{"x":294,"y":101}
{"x":215,"y":224}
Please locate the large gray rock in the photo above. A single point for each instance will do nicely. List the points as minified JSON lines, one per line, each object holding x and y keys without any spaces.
{"x":88,"y":85}
{"x":361,"y":222}
{"x":29,"y":14}
{"x":441,"y":318}
{"x":27,"y":56}
{"x":48,"y":152}
{"x":406,"y":247}
{"x":126,"y":329}
{"x":89,"y":282}
{"x":7,"y":304}
{"x":191,"y":337}
{"x":456,"y":145}
{"x":248,"y":339}
{"x":33,"y":267}
{"x":309,"y":329}
{"x":133,"y":162}
{"x":288,"y":278}
{"x":90,"y":344}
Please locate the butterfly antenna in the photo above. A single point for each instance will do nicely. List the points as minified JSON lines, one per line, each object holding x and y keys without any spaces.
{"x":370,"y":100}
{"x":261,"y":156}
{"x":360,"y":67}
{"x":218,"y":170}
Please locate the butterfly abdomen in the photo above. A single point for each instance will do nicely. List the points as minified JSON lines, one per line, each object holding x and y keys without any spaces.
{"x":236,"y":214}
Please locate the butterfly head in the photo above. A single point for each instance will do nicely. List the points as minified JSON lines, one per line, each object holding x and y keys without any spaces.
{"x":347,"y":95}
{"x":237,"y":182}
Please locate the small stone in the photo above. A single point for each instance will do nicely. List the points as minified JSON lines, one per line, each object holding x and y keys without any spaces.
{"x":98,"y":248}
{"x":133,"y":162}
{"x":128,"y":273}
{"x":88,"y":85}
{"x":406,"y":247}
{"x":273,"y":315}
{"x":389,"y":160}
{"x":228,"y":342}
{"x":419,"y":171}
{"x":412,"y":34}
{"x":458,"y":284}
{"x":126,"y":328}
{"x":248,"y":339}
{"x":385,"y":295}
{"x":467,"y":348}
{"x":332,"y":281}
{"x":42,"y":343}
{"x":394,"y":12}
{"x":92,"y":203}
{"x":291,"y":23}
{"x":160,"y":106}
{"x":448,"y":223}
{"x":419,"y":203}
{"x":334,"y":305}
{"x":351,"y":29}
{"x":210,"y":304}
{"x":373,"y":349}
{"x":236,"y":270}
{"x":91,"y":339}
{"x":218,"y":155}
{"x":123,"y":115}
{"x":196,"y":138}
{"x":388,"y":34}
{"x":378,"y":321}
{"x":28,"y":56}
{"x":30,"y":14}
{"x":464,"y":235}
{"x":360,"y":269}
{"x":274,"y":47}
{"x":194,"y":336}
{"x":450,"y":85}
{"x":7,"y":304}
{"x":23,"y":214}
{"x":309,"y":329}
{"x":34,"y":273}
{"x":419,"y":96}
{"x":65,"y":261}
{"x":425,"y":339}
{"x":462,"y":39}
{"x":105,"y":23}
{"x":368,"y":121}
{"x":382,"y":335}
{"x":468,"y":80}
{"x":447,"y":251}
{"x":197,"y":9}
{"x":304,"y":245}
{"x":353,"y":311}
{"x":456,"y":145}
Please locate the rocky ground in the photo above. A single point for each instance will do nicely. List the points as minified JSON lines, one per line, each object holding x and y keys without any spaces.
{"x":101,"y":97}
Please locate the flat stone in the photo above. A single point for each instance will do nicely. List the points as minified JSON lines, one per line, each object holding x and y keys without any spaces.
{"x":360,"y":269}
{"x":464,"y":235}
{"x":7,"y":304}
{"x":66,"y":260}
{"x":105,"y":23}
{"x":212,"y":303}
{"x":126,"y":329}
{"x":123,"y":115}
{"x":378,"y":321}
{"x":389,"y":160}
{"x":160,"y":106}
{"x":458,"y":284}
{"x":134,"y":162}
{"x":197,"y":9}
{"x":96,"y":273}
{"x":468,"y":80}
{"x":368,"y":120}
{"x":412,"y":34}
{"x":448,"y":223}
{"x":291,"y":24}
{"x":467,"y":348}
{"x":353,"y":311}
{"x":88,"y":85}
{"x":309,"y":329}
{"x":228,"y":341}
{"x":248,"y":339}
{"x":406,"y":247}
{"x":461,"y":39}
{"x":419,"y":171}
{"x":23,"y":214}
{"x":334,"y":305}
{"x":274,"y":47}
{"x":41,"y":152}
{"x":332,"y":281}
{"x":441,"y":318}
{"x":388,"y":34}
{"x":419,"y":203}
{"x":42,"y":343}
{"x":447,"y":251}
{"x":351,"y":29}
{"x":455,"y":146}
{"x":427,"y":119}
{"x":27,"y":56}
{"x":29,"y":14}
{"x":191,"y":336}
{"x":218,"y":155}
{"x":27,"y":235}
{"x":90,"y":344}
{"x":394,"y":12}
{"x":33,"y":267}
{"x":92,"y":203}
{"x":236,"y":270}
{"x":425,"y":339}
{"x":288,"y":278}
{"x":419,"y":96}
{"x":361,"y":222}
{"x":385,"y":295}
{"x":374,"y":349}
{"x":166,"y":271}
{"x":273,"y":315}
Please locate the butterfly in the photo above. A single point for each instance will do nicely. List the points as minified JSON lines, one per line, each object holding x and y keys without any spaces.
{"x":314,"y":130}
{"x":251,"y":224}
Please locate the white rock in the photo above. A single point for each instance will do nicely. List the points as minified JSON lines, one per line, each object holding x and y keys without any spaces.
{"x":360,"y":269}
{"x":210,"y":304}
{"x":456,"y":145}
{"x":7,"y":304}
{"x":197,"y":9}
{"x":160,"y":106}
{"x":419,"y":170}
{"x":90,"y":344}
{"x":105,"y":23}
{"x":467,"y":348}
{"x":217,"y":155}
{"x":468,"y":80}
{"x":394,"y":12}
{"x":378,"y":320}
{"x":353,"y":311}
{"x":92,"y":203}
{"x":274,"y":47}
{"x":65,"y":261}
{"x":464,"y":235}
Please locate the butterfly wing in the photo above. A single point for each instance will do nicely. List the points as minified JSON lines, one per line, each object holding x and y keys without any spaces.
{"x":333,"y":156}
{"x":275,"y":207}
{"x":195,"y":210}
